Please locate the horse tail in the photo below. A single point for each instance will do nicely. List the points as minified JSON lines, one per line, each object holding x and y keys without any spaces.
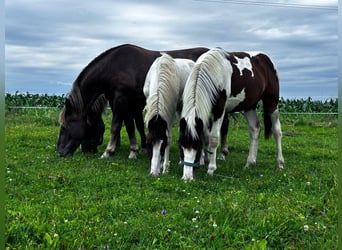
{"x":271,"y":98}
{"x":267,"y":124}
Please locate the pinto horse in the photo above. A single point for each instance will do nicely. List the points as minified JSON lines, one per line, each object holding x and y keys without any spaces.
{"x":248,"y":78}
{"x":163,"y":89}
{"x":118,"y":73}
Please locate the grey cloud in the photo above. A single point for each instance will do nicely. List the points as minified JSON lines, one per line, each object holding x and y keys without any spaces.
{"x":50,"y":42}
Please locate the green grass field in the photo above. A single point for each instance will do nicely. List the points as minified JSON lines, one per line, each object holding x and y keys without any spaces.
{"x":83,"y":202}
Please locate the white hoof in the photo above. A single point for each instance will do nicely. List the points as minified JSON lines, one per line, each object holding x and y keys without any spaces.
{"x":221,"y":157}
{"x":133,"y":155}
{"x":105,"y":155}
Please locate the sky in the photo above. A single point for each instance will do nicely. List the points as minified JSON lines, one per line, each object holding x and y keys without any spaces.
{"x":48,"y":43}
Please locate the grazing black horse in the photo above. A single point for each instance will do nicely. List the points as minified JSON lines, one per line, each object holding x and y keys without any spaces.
{"x":94,"y":128}
{"x":118,"y":73}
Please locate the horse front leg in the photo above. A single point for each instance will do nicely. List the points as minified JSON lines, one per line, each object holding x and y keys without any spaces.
{"x":224,"y":138}
{"x":254,"y":130}
{"x":276,"y":130}
{"x":213,"y":143}
{"x":130,"y":129}
{"x":114,"y":137}
{"x":166,"y":163}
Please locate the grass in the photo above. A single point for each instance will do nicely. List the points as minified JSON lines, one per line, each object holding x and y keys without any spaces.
{"x":83,"y":202}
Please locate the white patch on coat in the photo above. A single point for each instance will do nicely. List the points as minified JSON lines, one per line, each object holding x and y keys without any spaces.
{"x":234,"y":101}
{"x":244,"y":63}
{"x":253,"y":53}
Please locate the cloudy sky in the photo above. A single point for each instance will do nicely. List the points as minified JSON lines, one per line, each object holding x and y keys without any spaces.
{"x":49,"y":42}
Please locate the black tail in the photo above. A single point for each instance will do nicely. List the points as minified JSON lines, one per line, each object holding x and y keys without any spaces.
{"x":271,"y":97}
{"x":267,"y":124}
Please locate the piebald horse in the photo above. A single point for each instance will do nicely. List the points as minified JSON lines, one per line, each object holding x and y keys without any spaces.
{"x":163,"y":89}
{"x":227,"y":82}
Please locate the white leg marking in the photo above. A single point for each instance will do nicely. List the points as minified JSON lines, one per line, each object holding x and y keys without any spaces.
{"x":254,"y":130}
{"x":276,"y":130}
{"x":156,"y":159}
{"x":166,"y":163}
{"x":189,"y":156}
{"x":214,"y":136}
{"x":133,"y":154}
{"x":110,"y":149}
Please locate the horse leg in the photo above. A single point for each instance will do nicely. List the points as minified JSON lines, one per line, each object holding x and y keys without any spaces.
{"x":224,"y":139}
{"x":213,"y":143}
{"x":166,"y":163}
{"x":130,"y":129}
{"x":139,"y":122}
{"x":254,"y":130}
{"x":276,"y":130}
{"x":114,"y":137}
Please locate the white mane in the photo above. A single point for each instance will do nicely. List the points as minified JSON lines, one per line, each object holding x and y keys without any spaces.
{"x":211,"y":74}
{"x":163,"y":86}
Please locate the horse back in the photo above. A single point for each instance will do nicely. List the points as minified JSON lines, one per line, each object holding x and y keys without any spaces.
{"x":126,"y":66}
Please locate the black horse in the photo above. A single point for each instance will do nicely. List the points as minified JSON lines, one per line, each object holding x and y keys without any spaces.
{"x":118,"y":73}
{"x":94,"y":128}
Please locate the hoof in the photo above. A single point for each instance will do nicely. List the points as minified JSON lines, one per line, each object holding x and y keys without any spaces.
{"x":105,"y":155}
{"x":221,"y":157}
{"x":154,"y":174}
{"x":133,"y":155}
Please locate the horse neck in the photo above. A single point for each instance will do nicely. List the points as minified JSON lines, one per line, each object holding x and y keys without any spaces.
{"x":83,"y":97}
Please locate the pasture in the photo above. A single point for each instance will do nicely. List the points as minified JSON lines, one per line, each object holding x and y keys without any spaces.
{"x":83,"y":202}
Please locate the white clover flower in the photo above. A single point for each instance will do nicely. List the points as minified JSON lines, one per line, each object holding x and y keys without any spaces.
{"x":214,"y":225}
{"x":306,"y":228}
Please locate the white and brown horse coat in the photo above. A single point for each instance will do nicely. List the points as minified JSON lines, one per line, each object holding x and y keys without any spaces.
{"x":255,"y":76}
{"x":248,"y":78}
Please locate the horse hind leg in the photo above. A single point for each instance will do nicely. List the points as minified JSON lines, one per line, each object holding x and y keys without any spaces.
{"x":130,"y":129}
{"x":139,"y":122}
{"x":254,"y":130}
{"x":276,"y":130}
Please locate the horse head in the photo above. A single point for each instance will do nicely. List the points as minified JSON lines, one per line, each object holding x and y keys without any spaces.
{"x":93,"y":137}
{"x":72,"y":129}
{"x":80,"y":127}
{"x":191,"y":139}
